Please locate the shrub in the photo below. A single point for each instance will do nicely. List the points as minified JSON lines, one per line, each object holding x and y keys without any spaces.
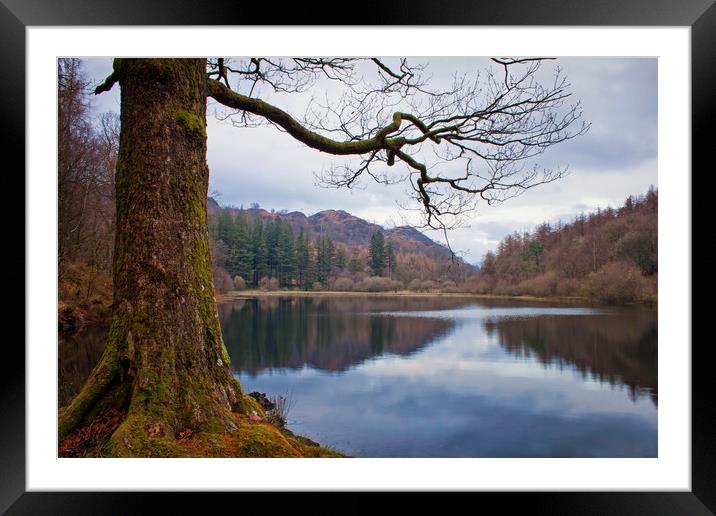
{"x":503,"y":288}
{"x":378,"y":284}
{"x":414,"y":285}
{"x":317,"y":285}
{"x":239,"y":283}
{"x":543,"y":285}
{"x":428,"y":286}
{"x":449,"y":287}
{"x":483,"y":284}
{"x":616,"y":282}
{"x":567,"y":287}
{"x":222,"y":280}
{"x":343,"y":284}
{"x":267,"y":283}
{"x":396,"y":285}
{"x":374,"y":284}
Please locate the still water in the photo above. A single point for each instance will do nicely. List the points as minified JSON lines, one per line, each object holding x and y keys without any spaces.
{"x":452,"y":377}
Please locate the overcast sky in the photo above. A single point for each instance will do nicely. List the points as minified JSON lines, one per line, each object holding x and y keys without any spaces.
{"x":616,"y":158}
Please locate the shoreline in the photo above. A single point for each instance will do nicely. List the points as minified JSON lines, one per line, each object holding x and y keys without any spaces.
{"x":233,"y":295}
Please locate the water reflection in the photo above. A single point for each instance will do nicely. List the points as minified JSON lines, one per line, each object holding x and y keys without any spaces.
{"x":619,"y":347}
{"x":616,"y":346}
{"x":449,"y":377}
{"x":439,"y":377}
{"x":325,"y":333}
{"x":78,"y":353}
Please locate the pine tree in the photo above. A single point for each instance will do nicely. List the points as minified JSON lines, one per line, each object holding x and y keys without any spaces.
{"x":390,"y":258}
{"x":258,"y":242}
{"x":224,"y":226}
{"x":286,"y":253}
{"x":244,"y":248}
{"x":310,"y":271}
{"x":272,"y":235}
{"x":377,"y":253}
{"x":340,"y":258}
{"x":302,"y":258}
{"x":227,"y":233}
{"x":324,"y":259}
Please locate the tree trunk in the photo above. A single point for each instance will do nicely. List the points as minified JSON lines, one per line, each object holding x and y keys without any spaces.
{"x":165,"y":363}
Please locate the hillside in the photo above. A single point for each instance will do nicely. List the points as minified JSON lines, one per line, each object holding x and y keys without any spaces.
{"x":343,"y":228}
{"x":344,"y":237}
{"x":610,"y":255}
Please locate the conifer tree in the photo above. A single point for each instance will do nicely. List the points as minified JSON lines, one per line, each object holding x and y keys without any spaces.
{"x":223,"y":226}
{"x":340,"y":258}
{"x":310,"y":272}
{"x":272,"y":232}
{"x":286,"y":253}
{"x":390,"y":258}
{"x":260,"y":251}
{"x":244,"y":248}
{"x":302,"y":258}
{"x":377,"y":253}
{"x":324,"y":259}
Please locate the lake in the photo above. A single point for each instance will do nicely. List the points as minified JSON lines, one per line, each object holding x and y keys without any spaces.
{"x":430,"y":376}
{"x":452,"y":377}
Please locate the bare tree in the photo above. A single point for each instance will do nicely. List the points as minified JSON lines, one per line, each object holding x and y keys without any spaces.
{"x":472,"y":140}
{"x":87,"y":151}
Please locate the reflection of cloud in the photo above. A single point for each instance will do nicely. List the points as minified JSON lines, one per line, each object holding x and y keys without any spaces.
{"x":456,"y":367}
{"x":471,"y":394}
{"x":426,"y":412}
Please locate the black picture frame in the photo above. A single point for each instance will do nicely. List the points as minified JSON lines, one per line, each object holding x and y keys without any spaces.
{"x":16,"y":15}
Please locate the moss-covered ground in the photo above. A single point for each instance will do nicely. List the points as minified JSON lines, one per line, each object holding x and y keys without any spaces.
{"x":253,"y":437}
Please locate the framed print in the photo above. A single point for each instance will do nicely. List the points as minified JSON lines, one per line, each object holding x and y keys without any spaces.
{"x":624,"y":430}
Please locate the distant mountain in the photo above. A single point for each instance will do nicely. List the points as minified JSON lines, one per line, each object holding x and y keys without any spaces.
{"x":347,"y":229}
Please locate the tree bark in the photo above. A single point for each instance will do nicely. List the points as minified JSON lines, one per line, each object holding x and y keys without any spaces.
{"x":165,"y":363}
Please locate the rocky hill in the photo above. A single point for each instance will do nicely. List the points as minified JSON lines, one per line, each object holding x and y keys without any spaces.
{"x":347,"y":229}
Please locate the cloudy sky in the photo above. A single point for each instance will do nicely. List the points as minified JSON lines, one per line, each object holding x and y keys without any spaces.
{"x":616,"y":158}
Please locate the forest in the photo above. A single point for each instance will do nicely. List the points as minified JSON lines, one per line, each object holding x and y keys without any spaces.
{"x":250,"y":252}
{"x":88,"y":144}
{"x":609,"y":255}
{"x":269,"y":255}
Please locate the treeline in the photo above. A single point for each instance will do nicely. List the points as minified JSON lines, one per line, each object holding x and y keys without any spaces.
{"x":269,"y":255}
{"x":87,"y":152}
{"x":610,"y":255}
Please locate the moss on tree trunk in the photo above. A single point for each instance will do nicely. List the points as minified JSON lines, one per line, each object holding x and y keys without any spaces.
{"x":165,"y":363}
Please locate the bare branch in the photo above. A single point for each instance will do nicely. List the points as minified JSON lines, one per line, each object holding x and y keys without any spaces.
{"x":493,"y":123}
